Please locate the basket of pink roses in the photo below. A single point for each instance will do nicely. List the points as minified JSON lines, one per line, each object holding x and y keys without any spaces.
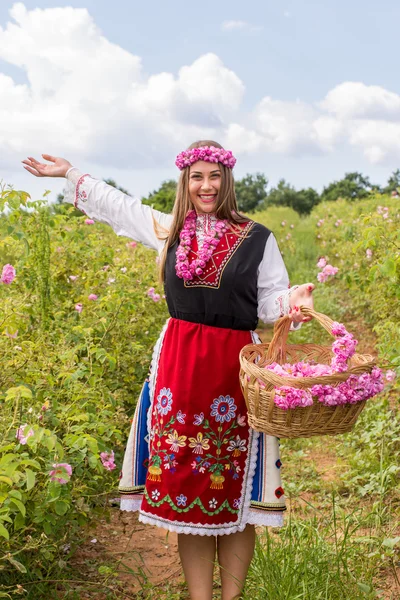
{"x":305,"y":390}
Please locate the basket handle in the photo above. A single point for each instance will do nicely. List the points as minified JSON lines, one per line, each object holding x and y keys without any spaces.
{"x":277,"y":347}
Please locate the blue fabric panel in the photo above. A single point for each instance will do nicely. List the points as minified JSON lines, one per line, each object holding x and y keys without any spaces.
{"x":257,"y":481}
{"x":142,"y":448}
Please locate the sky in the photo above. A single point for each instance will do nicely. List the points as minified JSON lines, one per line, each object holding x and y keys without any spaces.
{"x":300,"y":89}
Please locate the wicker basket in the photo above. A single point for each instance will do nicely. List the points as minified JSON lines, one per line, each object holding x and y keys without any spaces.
{"x":317,"y":419}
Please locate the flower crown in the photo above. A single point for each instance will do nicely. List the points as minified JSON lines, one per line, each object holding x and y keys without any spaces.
{"x":207,"y":153}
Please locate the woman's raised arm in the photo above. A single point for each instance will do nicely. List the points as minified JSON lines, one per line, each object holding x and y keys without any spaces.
{"x":102,"y":202}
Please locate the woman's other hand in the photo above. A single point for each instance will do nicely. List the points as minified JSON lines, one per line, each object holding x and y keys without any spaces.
{"x":57,"y":168}
{"x":302,"y":296}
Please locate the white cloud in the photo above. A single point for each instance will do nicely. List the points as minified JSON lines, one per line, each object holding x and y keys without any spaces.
{"x":93,"y":97}
{"x":88,"y":98}
{"x":240,"y":26}
{"x":287,"y":14}
{"x":355,"y":100}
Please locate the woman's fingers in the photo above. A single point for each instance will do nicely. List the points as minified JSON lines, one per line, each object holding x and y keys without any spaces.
{"x":33,"y":171}
{"x":49,"y":157}
{"x":34,"y":167}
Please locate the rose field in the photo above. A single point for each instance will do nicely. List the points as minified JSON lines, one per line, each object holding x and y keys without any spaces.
{"x":80,"y":312}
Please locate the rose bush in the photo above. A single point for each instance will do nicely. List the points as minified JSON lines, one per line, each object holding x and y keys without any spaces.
{"x":69,"y":378}
{"x":365,"y":244}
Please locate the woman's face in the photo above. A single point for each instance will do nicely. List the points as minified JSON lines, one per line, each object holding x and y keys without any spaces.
{"x":204,"y":184}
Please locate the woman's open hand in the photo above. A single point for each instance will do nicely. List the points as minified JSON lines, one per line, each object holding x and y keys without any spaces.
{"x":57,"y":168}
{"x":302,"y":296}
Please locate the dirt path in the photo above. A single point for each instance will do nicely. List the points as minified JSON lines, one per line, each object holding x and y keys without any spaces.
{"x":143,"y":556}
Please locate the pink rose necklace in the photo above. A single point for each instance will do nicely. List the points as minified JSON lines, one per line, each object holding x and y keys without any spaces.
{"x":183,"y":269}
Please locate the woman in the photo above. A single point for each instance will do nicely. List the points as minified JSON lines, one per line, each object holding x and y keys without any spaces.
{"x":208,"y":476}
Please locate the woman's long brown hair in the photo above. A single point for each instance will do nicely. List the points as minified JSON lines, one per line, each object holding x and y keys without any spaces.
{"x":226,"y":205}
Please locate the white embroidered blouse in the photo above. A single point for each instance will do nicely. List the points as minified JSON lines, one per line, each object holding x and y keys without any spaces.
{"x":129,"y":217}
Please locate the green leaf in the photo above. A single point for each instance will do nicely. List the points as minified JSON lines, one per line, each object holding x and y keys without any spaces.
{"x":30,"y":479}
{"x":364,"y":588}
{"x":16,"y":563}
{"x":19,"y":505}
{"x":4,"y":532}
{"x":19,"y":522}
{"x":391,"y":542}
{"x":5,"y":479}
{"x":389,"y":267}
{"x":61,"y":507}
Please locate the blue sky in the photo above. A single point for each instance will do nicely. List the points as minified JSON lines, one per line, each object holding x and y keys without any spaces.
{"x":272,"y":65}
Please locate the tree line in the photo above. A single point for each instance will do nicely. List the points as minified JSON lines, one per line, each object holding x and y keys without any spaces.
{"x":253,"y":192}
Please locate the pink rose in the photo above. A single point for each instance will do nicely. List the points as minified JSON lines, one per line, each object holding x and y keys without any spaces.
{"x":8,"y":274}
{"x":131,"y":245}
{"x":22,"y":436}
{"x":321,"y":263}
{"x":73,"y":277}
{"x":79,"y":307}
{"x":107,"y":459}
{"x":92,"y":297}
{"x":61,"y":473}
{"x":390,"y":375}
{"x":89,"y":222}
{"x":329,"y":270}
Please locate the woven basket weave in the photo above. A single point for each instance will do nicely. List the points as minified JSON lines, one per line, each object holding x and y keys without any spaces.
{"x":317,"y":419}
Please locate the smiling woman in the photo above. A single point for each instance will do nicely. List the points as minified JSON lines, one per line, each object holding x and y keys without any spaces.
{"x":192,"y":464}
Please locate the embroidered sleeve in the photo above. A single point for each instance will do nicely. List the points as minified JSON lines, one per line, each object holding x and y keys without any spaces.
{"x":274,"y":289}
{"x":126,"y":215}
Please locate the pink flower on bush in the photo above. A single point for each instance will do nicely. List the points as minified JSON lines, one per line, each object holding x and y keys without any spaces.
{"x":151,"y":293}
{"x":79,"y":307}
{"x":131,"y":244}
{"x":390,"y":375}
{"x":11,"y":335}
{"x":107,"y":459}
{"x":327,"y":271}
{"x":321,"y":263}
{"x":61,"y":473}
{"x":123,"y":269}
{"x":8,"y":274}
{"x":73,"y":277}
{"x":92,"y":297}
{"x":22,"y":436}
{"x":368,"y":253}
{"x":89,"y":222}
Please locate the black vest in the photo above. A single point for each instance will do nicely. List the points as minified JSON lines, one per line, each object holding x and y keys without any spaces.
{"x":229,"y":300}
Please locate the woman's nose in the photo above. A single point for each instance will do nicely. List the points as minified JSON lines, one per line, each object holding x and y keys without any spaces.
{"x":206,"y":185}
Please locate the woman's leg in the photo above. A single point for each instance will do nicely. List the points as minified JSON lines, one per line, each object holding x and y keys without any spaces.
{"x":235,"y":552}
{"x":197,"y":554}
